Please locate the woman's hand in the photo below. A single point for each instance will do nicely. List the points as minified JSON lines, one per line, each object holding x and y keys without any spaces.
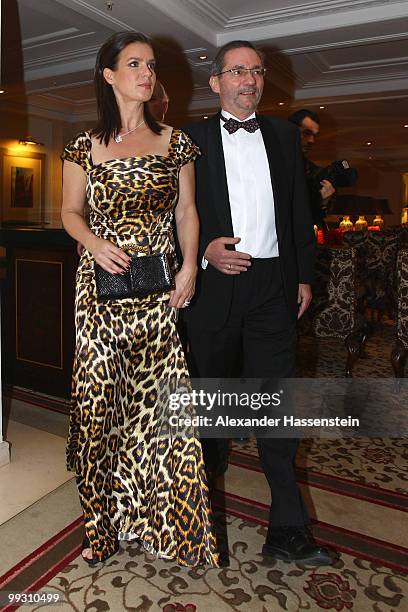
{"x":110,"y":257}
{"x":185,"y":285}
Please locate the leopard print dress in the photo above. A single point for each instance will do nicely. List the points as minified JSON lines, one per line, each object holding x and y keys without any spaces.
{"x":134,"y":482}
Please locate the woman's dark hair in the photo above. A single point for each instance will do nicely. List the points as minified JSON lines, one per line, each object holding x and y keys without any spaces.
{"x":109,"y":122}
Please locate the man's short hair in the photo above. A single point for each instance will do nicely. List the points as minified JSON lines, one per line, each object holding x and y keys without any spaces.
{"x":218,"y":64}
{"x":298,"y":116}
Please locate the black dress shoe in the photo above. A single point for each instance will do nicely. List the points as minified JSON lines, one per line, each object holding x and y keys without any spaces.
{"x":295,"y":544}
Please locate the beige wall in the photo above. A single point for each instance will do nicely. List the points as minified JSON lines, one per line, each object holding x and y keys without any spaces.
{"x":54,"y":134}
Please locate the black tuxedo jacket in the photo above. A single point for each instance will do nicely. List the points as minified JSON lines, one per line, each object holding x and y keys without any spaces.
{"x":211,"y":304}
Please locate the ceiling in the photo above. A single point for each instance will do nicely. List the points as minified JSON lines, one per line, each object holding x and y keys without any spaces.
{"x":350,"y":56}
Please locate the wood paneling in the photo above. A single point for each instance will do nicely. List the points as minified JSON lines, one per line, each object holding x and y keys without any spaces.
{"x":39,"y":312}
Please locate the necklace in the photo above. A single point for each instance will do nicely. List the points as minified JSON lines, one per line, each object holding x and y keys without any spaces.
{"x":119,"y":137}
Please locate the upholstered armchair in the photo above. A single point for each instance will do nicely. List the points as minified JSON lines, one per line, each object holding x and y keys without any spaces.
{"x":378,"y":253}
{"x":335,"y":311}
{"x":399,"y":352}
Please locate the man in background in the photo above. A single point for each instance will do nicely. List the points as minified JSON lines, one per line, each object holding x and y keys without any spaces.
{"x":308,"y":123}
{"x":159,"y":102}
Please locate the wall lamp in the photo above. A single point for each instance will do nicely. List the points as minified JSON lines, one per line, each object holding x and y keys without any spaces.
{"x":29,"y":140}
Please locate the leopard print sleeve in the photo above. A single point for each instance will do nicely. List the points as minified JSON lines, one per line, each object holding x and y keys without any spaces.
{"x":187,"y":151}
{"x":79,"y":151}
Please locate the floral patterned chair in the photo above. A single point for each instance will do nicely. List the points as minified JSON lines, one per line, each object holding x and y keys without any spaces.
{"x":335,"y":311}
{"x":399,"y":352}
{"x":402,"y":232}
{"x":378,"y":253}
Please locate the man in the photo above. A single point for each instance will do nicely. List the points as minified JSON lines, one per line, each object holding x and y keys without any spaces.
{"x":256,"y":259}
{"x":308,"y":123}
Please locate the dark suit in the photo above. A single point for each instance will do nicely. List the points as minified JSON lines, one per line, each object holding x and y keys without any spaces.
{"x":253,"y":315}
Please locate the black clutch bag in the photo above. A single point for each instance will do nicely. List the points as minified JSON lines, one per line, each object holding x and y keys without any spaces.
{"x":146,"y":274}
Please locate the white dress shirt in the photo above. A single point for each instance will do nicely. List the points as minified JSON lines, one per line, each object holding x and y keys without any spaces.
{"x":250,"y":191}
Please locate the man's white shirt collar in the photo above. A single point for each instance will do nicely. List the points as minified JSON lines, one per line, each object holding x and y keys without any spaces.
{"x":228,"y":115}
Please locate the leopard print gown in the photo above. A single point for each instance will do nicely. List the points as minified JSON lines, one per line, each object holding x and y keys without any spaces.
{"x":133,"y":482}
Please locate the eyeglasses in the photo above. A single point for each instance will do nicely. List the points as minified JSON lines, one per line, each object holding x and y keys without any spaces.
{"x":239,"y":72}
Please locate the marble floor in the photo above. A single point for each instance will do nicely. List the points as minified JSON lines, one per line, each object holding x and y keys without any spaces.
{"x":37,"y":449}
{"x":29,"y":529}
{"x":36,"y":470}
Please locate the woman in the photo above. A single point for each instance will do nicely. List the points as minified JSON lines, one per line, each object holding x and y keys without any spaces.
{"x":133,"y":482}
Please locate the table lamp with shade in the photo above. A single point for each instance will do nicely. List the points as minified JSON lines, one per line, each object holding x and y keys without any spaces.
{"x":350,"y":204}
{"x":344,"y":205}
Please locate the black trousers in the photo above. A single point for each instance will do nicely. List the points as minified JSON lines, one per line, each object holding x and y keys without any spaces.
{"x":257,"y":341}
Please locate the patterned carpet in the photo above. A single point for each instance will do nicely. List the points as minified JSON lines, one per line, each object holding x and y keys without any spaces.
{"x":356,"y":490}
{"x":377,"y":462}
{"x":135,"y":581}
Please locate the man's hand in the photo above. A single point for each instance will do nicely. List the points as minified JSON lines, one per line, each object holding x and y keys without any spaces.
{"x":226,"y":261}
{"x":304,"y":298}
{"x":327,"y":189}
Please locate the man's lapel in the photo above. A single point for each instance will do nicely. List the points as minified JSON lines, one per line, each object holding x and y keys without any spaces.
{"x":218,"y":175}
{"x":278,"y":172}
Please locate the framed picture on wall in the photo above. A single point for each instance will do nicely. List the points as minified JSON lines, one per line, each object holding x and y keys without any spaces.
{"x":22,"y":187}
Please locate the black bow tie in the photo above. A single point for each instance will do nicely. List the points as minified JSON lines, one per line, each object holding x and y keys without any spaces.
{"x":232,"y":125}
